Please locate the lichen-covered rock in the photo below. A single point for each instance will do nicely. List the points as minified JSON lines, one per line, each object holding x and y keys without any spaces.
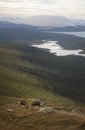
{"x":46,"y":110}
{"x":10,"y":110}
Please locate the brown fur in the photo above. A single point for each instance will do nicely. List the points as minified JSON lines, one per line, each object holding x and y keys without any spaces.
{"x":36,"y":103}
{"x":23,"y":103}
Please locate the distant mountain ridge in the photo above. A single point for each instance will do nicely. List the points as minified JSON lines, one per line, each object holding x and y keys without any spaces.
{"x":6,"y":25}
{"x":44,"y":21}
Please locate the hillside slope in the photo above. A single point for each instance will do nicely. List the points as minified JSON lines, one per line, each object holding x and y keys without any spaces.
{"x":27,"y":73}
{"x":22,"y":78}
{"x":37,"y":68}
{"x":13,"y":116}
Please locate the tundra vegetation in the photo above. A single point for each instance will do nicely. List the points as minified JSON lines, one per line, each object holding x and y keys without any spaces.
{"x":28,"y":73}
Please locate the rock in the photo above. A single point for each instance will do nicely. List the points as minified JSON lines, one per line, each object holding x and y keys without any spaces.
{"x":80,"y":111}
{"x":46,"y":110}
{"x":10,"y":110}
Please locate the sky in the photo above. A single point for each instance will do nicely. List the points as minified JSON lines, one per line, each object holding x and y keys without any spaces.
{"x":25,"y":8}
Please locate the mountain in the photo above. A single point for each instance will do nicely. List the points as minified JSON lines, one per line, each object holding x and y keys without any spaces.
{"x":51,"y":21}
{"x":44,"y":20}
{"x":6,"y":24}
{"x":11,"y":19}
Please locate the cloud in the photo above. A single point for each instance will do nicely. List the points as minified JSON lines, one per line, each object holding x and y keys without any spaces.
{"x":69,"y":8}
{"x":16,"y":1}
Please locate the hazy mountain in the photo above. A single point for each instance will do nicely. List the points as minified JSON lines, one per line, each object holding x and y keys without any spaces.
{"x":79,"y":22}
{"x":44,"y":21}
{"x":52,"y":21}
{"x":11,"y":19}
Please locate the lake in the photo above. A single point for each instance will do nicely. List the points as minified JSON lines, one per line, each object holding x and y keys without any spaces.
{"x":54,"y":48}
{"x":79,"y":34}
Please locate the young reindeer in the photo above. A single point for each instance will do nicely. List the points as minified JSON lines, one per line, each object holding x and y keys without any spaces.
{"x":23,"y":103}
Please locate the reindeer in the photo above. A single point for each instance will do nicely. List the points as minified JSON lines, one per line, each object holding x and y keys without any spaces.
{"x":23,"y":103}
{"x":36,"y":103}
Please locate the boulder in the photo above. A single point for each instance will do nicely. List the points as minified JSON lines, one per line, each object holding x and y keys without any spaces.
{"x":46,"y":110}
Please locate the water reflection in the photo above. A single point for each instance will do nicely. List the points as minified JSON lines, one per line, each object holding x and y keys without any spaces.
{"x":57,"y":50}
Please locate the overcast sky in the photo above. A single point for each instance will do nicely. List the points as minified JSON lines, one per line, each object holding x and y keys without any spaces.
{"x":25,"y":8}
